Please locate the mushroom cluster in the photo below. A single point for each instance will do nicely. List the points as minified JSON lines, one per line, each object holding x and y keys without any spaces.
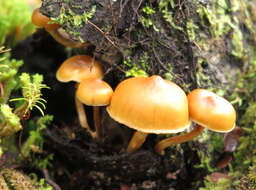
{"x":145,"y":104}
{"x":45,"y":22}
{"x":206,"y":110}
{"x":84,"y":70}
{"x":154,"y":105}
{"x":91,"y":90}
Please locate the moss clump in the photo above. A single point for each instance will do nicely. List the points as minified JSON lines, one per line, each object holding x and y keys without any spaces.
{"x":216,"y":17}
{"x":167,"y":7}
{"x":8,"y":71}
{"x":146,"y":17}
{"x":16,"y":180}
{"x":245,"y":156}
{"x":15,"y":21}
{"x":221,"y":184}
{"x":138,"y":68}
{"x":36,"y":135}
{"x":9,"y":122}
{"x":73,"y":21}
{"x":11,"y":179}
{"x":237,"y":43}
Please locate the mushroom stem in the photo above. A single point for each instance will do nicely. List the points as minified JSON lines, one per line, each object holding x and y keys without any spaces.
{"x":66,"y":42}
{"x":136,"y":142}
{"x":159,"y":148}
{"x":82,"y":117}
{"x":97,"y":122}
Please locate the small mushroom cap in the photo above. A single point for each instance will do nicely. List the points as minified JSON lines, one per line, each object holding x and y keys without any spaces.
{"x":42,"y":21}
{"x":94,"y":92}
{"x":78,"y":68}
{"x":211,"y":111}
{"x":150,"y":105}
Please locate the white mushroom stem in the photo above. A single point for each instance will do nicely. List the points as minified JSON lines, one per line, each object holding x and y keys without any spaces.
{"x":159,"y":148}
{"x":97,"y":121}
{"x":136,"y":142}
{"x":82,"y":117}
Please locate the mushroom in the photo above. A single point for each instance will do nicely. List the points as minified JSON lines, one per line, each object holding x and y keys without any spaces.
{"x":94,"y":92}
{"x":43,"y":21}
{"x":149,"y":105}
{"x":207,"y":110}
{"x":79,"y":68}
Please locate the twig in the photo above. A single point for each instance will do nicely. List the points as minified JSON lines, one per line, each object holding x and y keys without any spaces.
{"x":159,"y":61}
{"x":121,"y":10}
{"x":2,"y":50}
{"x":49,"y":181}
{"x":113,"y":17}
{"x":133,"y":19}
{"x":97,"y":28}
{"x":22,"y":118}
{"x":20,"y":139}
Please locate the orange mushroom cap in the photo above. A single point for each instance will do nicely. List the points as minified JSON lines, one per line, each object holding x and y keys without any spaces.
{"x":42,"y":21}
{"x":94,"y":92}
{"x":211,"y":111}
{"x":78,"y":68}
{"x":150,"y":105}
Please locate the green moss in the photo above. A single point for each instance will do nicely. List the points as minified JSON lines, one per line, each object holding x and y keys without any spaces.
{"x":15,"y":21}
{"x":35,"y":135}
{"x":214,"y":143}
{"x":146,"y":18}
{"x":216,"y":17}
{"x":166,"y":7}
{"x":9,"y":122}
{"x":191,"y":27}
{"x":32,"y":93}
{"x":11,"y":179}
{"x":202,"y":79}
{"x":148,"y":10}
{"x":245,"y":155}
{"x":73,"y":21}
{"x":8,"y":70}
{"x":222,"y":184}
{"x":69,"y":18}
{"x":139,"y":68}
{"x":237,"y":43}
{"x":169,"y":75}
{"x":16,"y":180}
